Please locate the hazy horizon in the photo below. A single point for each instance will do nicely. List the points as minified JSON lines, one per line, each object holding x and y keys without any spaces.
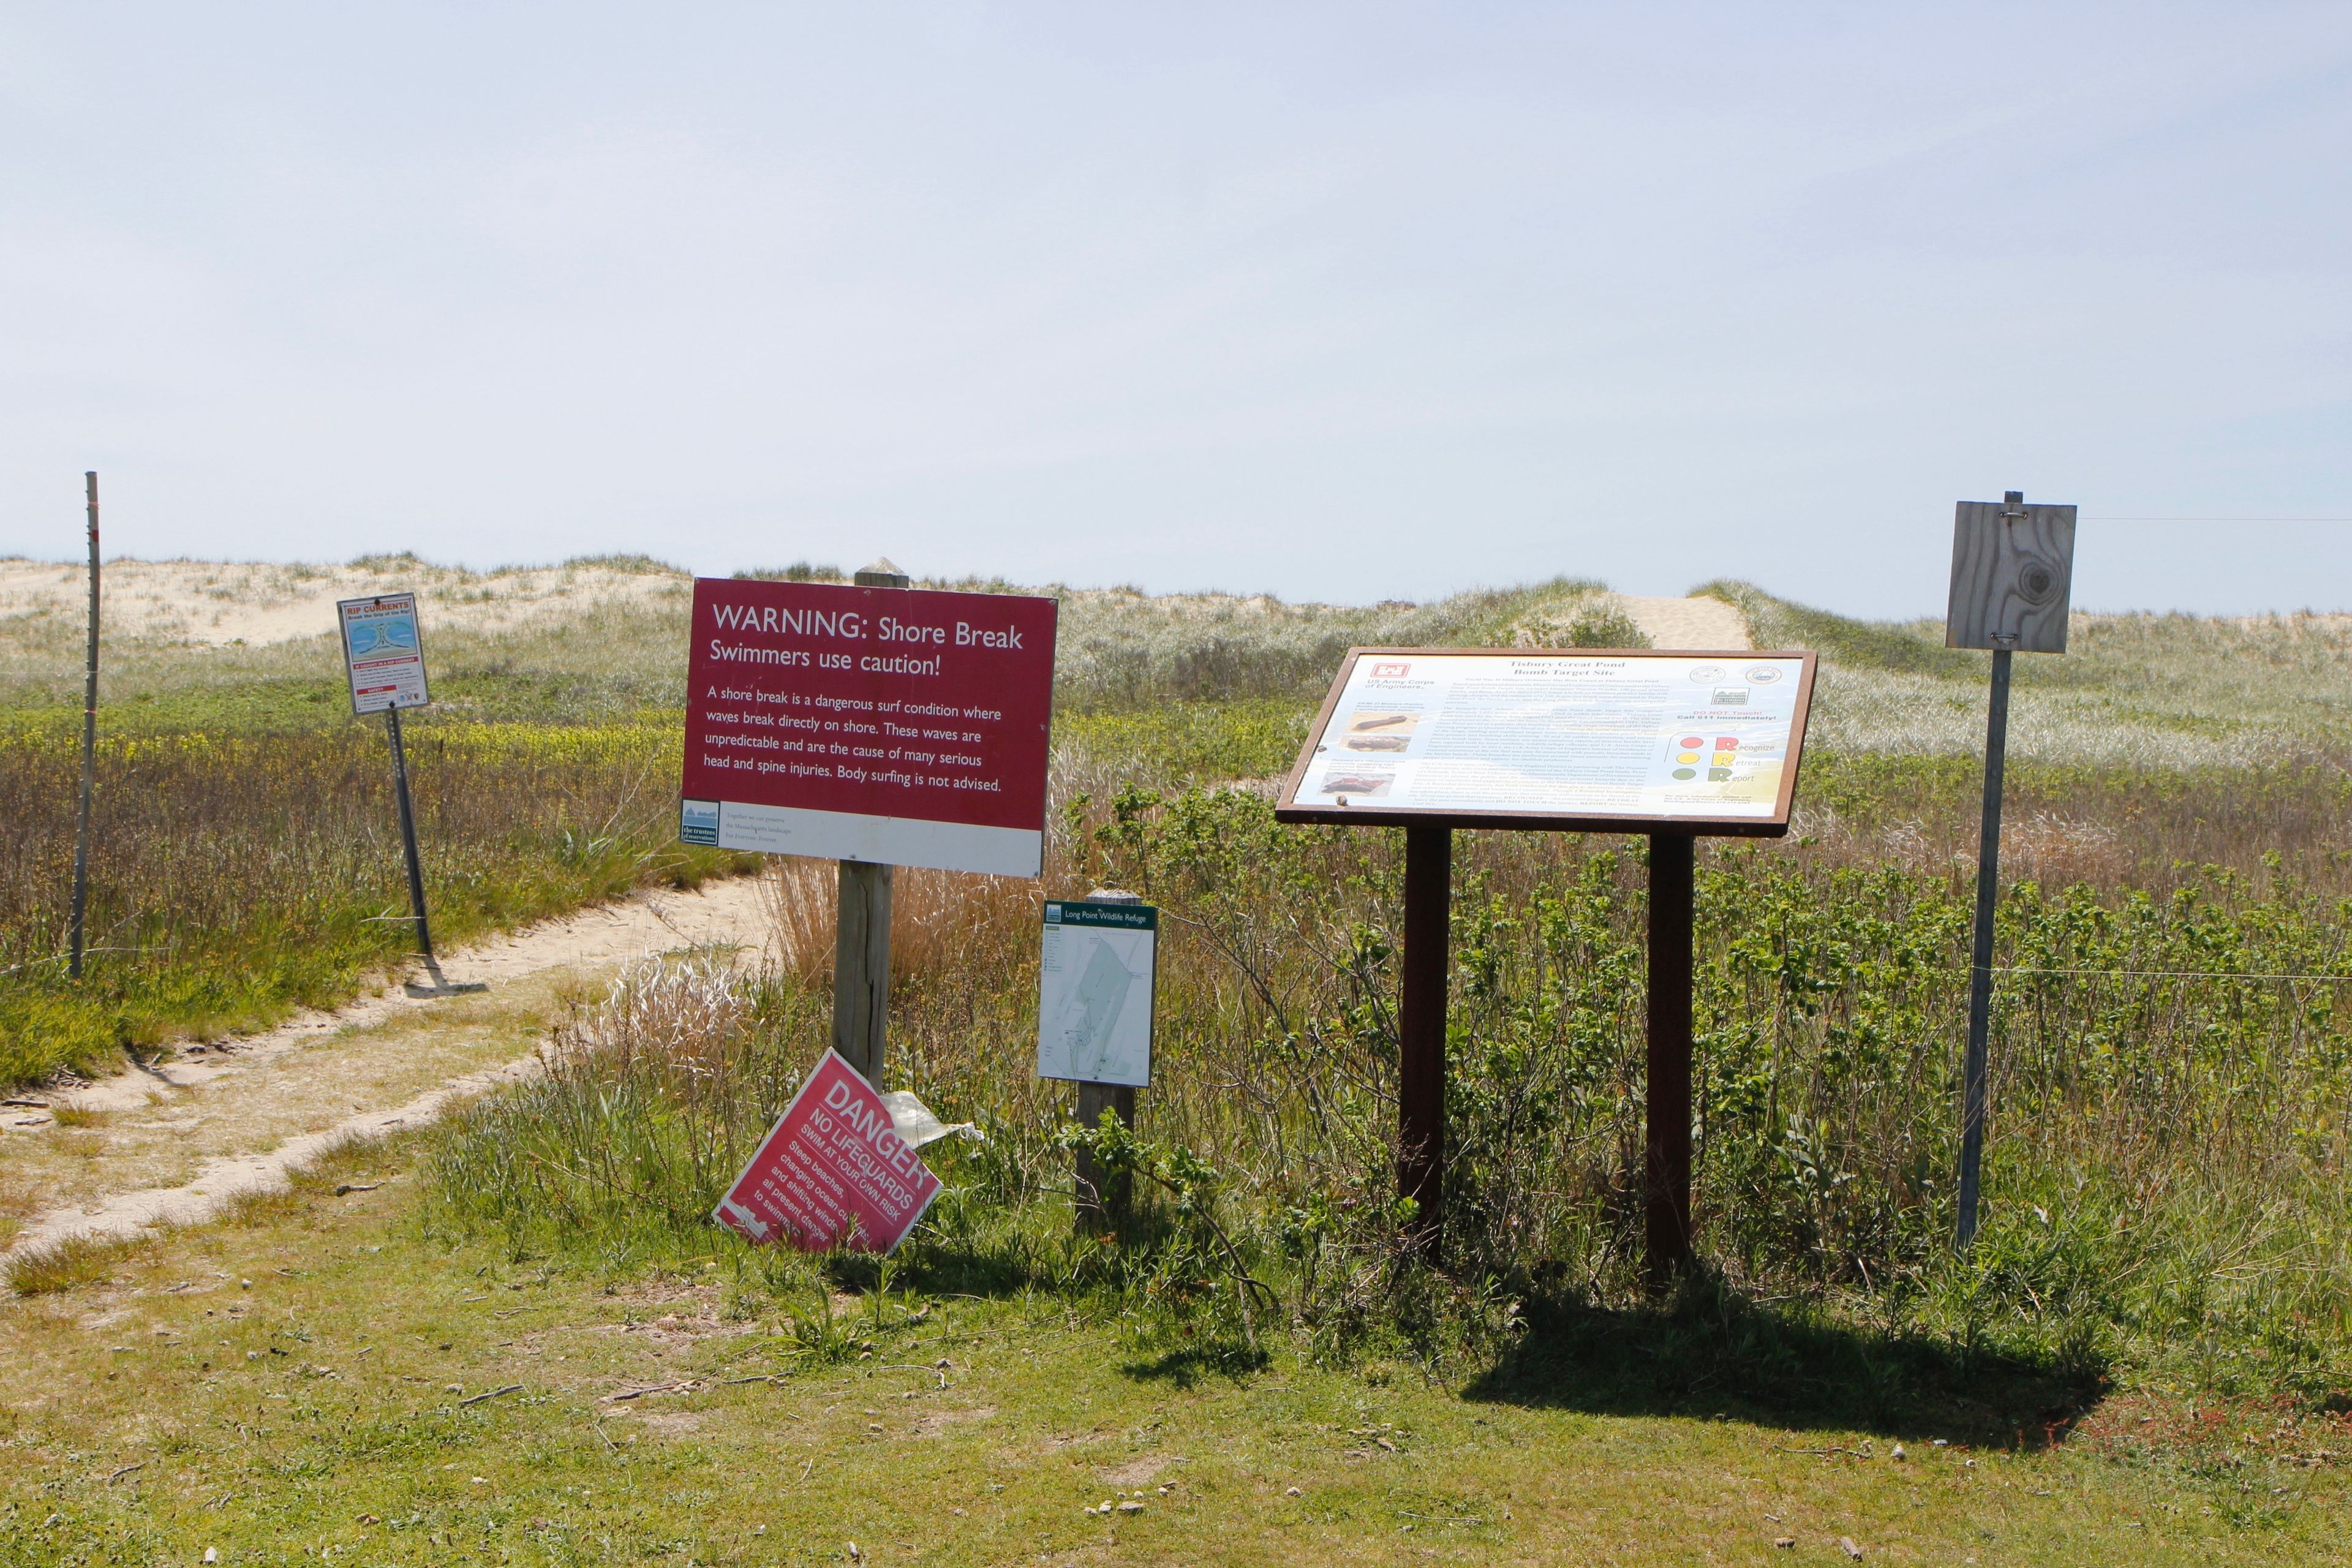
{"x":1227,"y":589}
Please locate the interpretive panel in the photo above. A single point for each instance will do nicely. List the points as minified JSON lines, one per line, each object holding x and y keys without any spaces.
{"x":1095,"y":992}
{"x":835,"y":1172}
{"x":1519,"y":738}
{"x":898,"y":725}
{"x":384,"y":653}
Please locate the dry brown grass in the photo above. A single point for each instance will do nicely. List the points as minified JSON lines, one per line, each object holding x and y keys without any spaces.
{"x":937,"y":918}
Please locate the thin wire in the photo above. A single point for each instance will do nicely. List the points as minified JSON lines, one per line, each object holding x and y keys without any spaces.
{"x":2170,"y":973}
{"x":2217,"y":518}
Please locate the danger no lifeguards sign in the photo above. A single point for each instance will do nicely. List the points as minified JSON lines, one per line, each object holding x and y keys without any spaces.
{"x":834,"y":1173}
{"x":898,"y":725}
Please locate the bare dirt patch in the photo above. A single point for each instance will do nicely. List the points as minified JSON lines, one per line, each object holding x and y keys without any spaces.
{"x":670,"y":1423}
{"x":1138,"y":1472}
{"x":931,"y":1424}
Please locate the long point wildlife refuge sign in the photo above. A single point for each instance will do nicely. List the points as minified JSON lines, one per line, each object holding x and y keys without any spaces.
{"x":1096,"y":992}
{"x":835,"y":1172}
{"x":877,"y":724}
{"x":1504,"y":738}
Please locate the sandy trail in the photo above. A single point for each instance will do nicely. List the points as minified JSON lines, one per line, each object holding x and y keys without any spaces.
{"x":1701,"y":623}
{"x":174,"y":1143}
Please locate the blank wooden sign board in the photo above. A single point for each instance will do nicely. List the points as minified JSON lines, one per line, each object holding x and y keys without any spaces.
{"x":2012,"y":569}
{"x":1673,"y":745}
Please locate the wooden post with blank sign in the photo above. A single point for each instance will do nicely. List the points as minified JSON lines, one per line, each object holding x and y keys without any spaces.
{"x":1667,"y":743}
{"x":1103,"y":1197}
{"x":2012,"y":574}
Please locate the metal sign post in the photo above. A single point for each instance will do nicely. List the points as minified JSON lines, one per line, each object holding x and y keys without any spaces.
{"x":384,"y":660}
{"x":2012,"y":569}
{"x":408,"y":835}
{"x":89,"y":749}
{"x":1669,"y":744}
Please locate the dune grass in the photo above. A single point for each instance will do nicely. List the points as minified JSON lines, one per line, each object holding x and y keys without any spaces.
{"x":247,"y":861}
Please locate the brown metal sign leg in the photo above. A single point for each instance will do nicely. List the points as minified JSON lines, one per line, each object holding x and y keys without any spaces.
{"x":1420,"y":1086}
{"x":1668,"y":1143}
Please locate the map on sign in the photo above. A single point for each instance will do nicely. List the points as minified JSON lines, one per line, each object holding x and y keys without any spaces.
{"x":1094,"y":993}
{"x":383,"y":653}
{"x":1516,"y":737}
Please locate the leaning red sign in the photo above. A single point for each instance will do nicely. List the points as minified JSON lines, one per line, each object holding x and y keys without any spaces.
{"x":834,"y":1172}
{"x":898,"y":725}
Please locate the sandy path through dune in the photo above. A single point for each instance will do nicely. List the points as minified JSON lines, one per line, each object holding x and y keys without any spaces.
{"x":1698,"y":623}
{"x":172,"y":1143}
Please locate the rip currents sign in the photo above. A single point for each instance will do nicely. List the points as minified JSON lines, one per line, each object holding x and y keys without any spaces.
{"x":384,"y":653}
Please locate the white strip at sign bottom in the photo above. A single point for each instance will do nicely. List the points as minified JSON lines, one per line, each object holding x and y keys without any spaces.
{"x":890,"y":840}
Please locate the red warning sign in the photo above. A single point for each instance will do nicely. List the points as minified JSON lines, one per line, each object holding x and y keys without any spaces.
{"x":899,"y":725}
{"x":834,"y":1173}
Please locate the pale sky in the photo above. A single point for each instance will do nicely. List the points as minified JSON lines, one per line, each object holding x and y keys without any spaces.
{"x":1344,"y":302}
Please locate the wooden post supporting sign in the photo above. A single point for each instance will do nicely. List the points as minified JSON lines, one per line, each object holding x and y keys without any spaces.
{"x":1104,"y":1197}
{"x":872,"y":724}
{"x":861,"y":939}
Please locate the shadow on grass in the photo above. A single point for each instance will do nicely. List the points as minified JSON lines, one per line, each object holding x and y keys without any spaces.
{"x":1188,"y":1367}
{"x":993,"y":1270}
{"x":1713,"y":1352}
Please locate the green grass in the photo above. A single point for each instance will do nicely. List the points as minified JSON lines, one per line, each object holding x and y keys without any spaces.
{"x":311,"y":1379}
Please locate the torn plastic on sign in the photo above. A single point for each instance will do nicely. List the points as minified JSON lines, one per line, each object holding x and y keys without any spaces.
{"x":919,"y":1124}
